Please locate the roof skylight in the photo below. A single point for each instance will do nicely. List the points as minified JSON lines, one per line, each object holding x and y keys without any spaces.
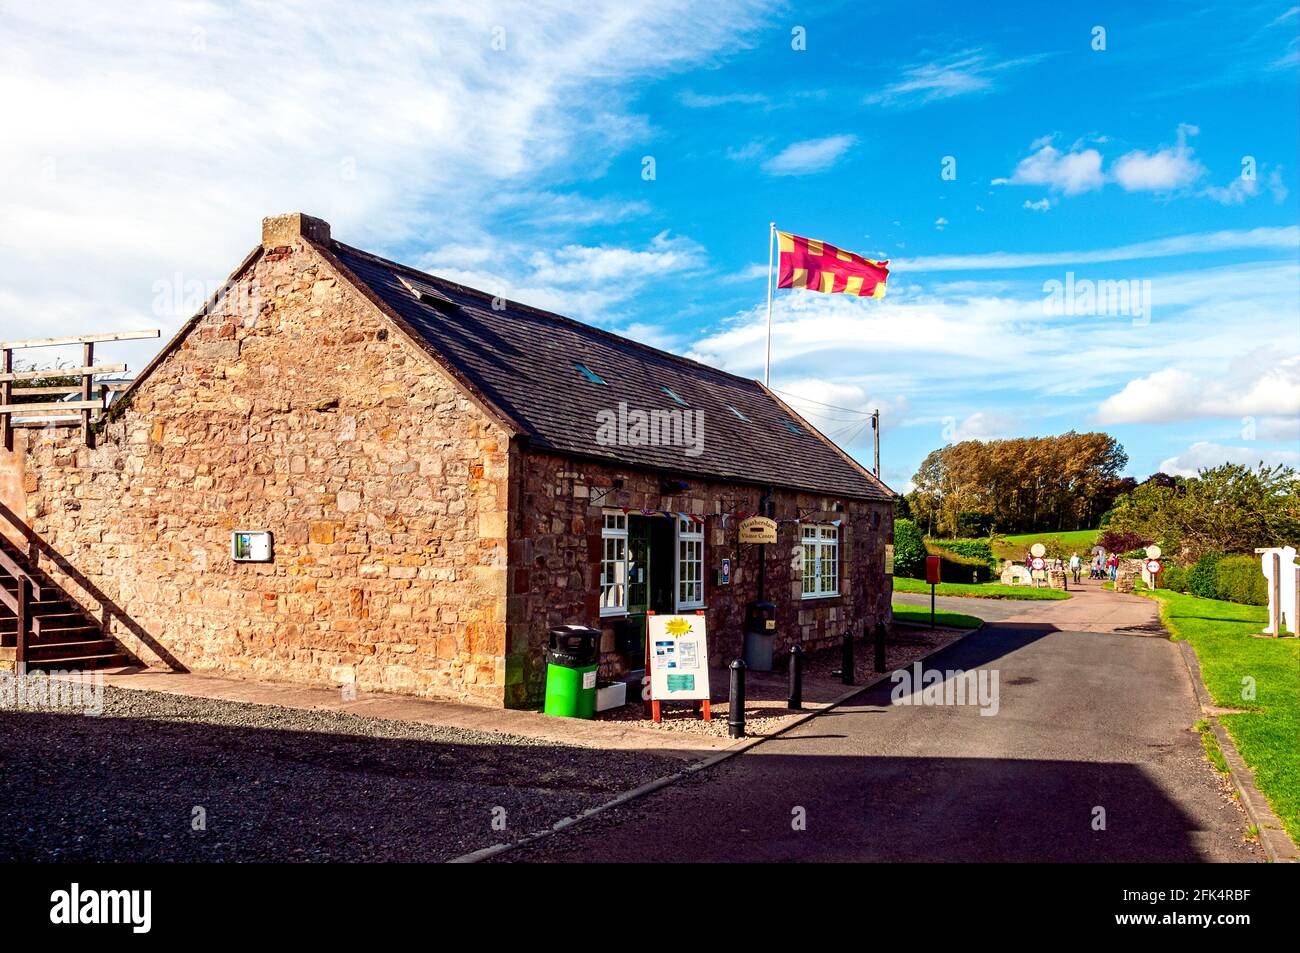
{"x":588,"y":373}
{"x":670,"y":393}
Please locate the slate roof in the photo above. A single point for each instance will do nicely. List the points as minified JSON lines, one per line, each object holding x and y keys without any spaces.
{"x":522,"y":360}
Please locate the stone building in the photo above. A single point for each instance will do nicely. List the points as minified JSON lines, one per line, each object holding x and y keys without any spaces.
{"x":444,"y":475}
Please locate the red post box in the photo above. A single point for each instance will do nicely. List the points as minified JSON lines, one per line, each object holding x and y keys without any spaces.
{"x":932,"y":570}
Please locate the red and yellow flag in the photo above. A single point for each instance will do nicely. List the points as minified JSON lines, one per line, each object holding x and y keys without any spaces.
{"x":816,"y":266}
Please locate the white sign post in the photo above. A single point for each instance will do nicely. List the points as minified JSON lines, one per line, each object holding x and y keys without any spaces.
{"x":679,"y":660}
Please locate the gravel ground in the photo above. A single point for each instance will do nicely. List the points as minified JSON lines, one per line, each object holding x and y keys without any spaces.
{"x":766,"y":693}
{"x":279,"y":784}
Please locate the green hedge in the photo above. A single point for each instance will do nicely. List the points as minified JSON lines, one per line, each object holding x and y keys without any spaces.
{"x":1240,"y":579}
{"x":1174,"y":577}
{"x":970,"y":548}
{"x":1201,"y":577}
{"x":909,"y":550}
{"x":1228,"y":578}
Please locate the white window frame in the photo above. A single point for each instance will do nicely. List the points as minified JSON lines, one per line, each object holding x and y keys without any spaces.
{"x":691,"y":534}
{"x":613,"y":531}
{"x":824,"y":540}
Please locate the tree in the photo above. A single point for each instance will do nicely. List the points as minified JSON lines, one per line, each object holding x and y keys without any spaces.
{"x":1225,"y":509}
{"x":1028,"y":483}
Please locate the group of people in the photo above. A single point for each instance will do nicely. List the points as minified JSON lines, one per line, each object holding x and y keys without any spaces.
{"x":1103,"y":566}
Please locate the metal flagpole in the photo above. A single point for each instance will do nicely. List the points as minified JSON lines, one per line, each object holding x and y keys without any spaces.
{"x":767,"y":359}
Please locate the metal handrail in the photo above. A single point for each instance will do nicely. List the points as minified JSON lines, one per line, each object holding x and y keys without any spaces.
{"x":18,"y":602}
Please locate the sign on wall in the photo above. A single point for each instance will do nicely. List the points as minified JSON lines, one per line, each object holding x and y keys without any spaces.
{"x":679,"y":657}
{"x":758,"y":529}
{"x":250,"y":546}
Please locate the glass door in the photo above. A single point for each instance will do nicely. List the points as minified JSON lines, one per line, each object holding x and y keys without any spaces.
{"x":638,"y":588}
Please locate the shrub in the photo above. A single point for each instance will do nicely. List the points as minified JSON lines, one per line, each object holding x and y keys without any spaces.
{"x":970,"y":548}
{"x":1201,"y":577}
{"x":1239,"y":579}
{"x":909,"y":550}
{"x":1118,"y":542}
{"x":1174,"y":577}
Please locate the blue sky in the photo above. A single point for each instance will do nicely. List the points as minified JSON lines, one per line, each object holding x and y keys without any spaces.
{"x":506,"y":146}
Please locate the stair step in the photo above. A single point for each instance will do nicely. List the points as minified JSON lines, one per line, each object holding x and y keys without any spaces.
{"x":57,"y":637}
{"x":42,"y":651}
{"x":50,"y":624}
{"x":9,"y":623}
{"x":53,"y":605}
{"x":81,"y":661}
{"x":41,"y":592}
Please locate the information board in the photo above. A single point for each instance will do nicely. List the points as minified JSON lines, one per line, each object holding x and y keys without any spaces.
{"x":679,"y":657}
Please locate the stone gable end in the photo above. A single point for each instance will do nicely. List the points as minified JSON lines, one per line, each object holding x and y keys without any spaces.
{"x":292,"y":407}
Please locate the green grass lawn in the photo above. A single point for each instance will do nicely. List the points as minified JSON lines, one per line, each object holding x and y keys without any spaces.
{"x":1014,"y":547}
{"x":977,"y":590}
{"x":921,"y":616}
{"x":1267,"y":732}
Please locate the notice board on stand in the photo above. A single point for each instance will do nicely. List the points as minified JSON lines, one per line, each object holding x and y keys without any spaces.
{"x":677,"y":648}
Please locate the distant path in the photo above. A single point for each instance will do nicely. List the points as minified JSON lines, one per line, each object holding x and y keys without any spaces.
{"x":1095,"y":712}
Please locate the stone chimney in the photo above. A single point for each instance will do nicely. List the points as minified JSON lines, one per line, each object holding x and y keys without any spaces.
{"x":290,"y":229}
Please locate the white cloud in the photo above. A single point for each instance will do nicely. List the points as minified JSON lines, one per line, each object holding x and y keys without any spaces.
{"x":586,"y":265}
{"x":1284,"y":238}
{"x":1042,"y":205}
{"x":1068,"y":172}
{"x":810,"y":155}
{"x":1161,"y":171}
{"x":971,"y":71}
{"x":750,"y":150}
{"x":1260,"y":383}
{"x":589,"y":282}
{"x":985,"y":425}
{"x":751,"y":272}
{"x":567,"y":209}
{"x":692,"y":100}
{"x":1078,"y":170}
{"x":1205,"y":453}
{"x":151,"y":138}
{"x":841,"y":410}
{"x":962,"y":349}
{"x":1240,"y":189}
{"x":940,"y":223}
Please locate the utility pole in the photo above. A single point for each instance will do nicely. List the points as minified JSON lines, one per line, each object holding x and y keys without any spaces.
{"x":875,"y":427}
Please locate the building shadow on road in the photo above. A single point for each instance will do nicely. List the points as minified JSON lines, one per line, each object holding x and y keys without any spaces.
{"x":899,"y":809}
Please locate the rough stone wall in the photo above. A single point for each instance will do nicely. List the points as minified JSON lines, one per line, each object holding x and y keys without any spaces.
{"x":555,"y":545}
{"x":292,"y":408}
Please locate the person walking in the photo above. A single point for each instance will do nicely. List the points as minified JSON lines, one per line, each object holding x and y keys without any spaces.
{"x":1076,"y":567}
{"x":1112,"y":566}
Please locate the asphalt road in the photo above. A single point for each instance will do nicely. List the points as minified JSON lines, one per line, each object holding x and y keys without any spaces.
{"x":1086,"y":720}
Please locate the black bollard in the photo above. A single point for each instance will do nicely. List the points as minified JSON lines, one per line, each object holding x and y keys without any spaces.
{"x":796,"y":677}
{"x":846,"y":657}
{"x":880,"y":646}
{"x":736,"y":706}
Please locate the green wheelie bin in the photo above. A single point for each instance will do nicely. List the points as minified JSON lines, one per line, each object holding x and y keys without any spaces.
{"x":571,"y":671}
